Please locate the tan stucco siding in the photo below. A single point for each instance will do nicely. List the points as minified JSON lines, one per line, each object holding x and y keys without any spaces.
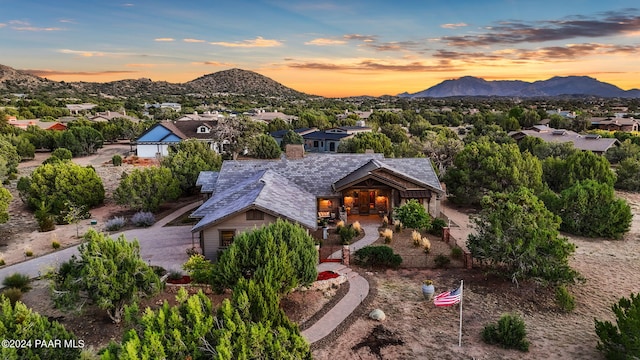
{"x":239,"y":223}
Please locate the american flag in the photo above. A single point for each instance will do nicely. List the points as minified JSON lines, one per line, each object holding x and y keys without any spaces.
{"x":448,"y":298}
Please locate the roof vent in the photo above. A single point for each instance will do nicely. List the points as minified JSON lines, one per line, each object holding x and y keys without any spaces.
{"x":592,"y":136}
{"x":559,"y":132}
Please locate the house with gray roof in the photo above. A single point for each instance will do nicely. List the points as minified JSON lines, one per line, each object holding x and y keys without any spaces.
{"x":246,"y":194}
{"x":590,"y":142}
{"x":157,"y":140}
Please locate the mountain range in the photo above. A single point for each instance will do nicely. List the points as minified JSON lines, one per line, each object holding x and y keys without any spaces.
{"x":556,"y":86}
{"x":233,"y":81}
{"x":244,"y":82}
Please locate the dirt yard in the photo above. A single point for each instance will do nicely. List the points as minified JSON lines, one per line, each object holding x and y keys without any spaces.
{"x":414,"y":328}
{"x":611,"y":270}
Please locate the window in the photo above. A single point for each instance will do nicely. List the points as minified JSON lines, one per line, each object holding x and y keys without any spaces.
{"x":255,"y":215}
{"x":332,"y":146}
{"x":226,"y":237}
{"x":316,"y":143}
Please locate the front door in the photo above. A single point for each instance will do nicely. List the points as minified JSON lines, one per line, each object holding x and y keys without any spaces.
{"x":363,"y":200}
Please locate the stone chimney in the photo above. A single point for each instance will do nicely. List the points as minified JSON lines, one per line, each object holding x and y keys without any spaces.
{"x":294,"y":151}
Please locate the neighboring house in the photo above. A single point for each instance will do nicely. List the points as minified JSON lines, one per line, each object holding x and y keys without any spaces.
{"x":615,"y":124}
{"x":268,"y":116}
{"x":157,"y":140}
{"x":590,"y":142}
{"x":323,"y":140}
{"x":563,"y":113}
{"x":110,"y":115}
{"x":173,"y":106}
{"x":249,"y":193}
{"x":279,"y":135}
{"x":76,"y":109}
{"x":207,"y":116}
{"x":45,"y":125}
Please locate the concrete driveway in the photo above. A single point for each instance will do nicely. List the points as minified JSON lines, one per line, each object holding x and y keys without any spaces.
{"x":160,"y":245}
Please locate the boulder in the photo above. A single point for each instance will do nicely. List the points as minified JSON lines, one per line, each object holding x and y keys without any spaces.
{"x":378,"y":315}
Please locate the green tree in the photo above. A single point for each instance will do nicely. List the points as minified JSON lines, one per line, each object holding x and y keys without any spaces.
{"x":628,"y":175}
{"x":395,"y":133}
{"x":5,"y":200}
{"x":581,"y":165}
{"x":239,"y":133}
{"x":592,"y":209}
{"x":626,"y":150}
{"x":413,"y":215}
{"x":281,"y":254}
{"x":23,"y":147}
{"x":486,"y":167}
{"x":57,"y":155}
{"x":187,"y":161}
{"x":291,"y":137}
{"x":377,"y":142}
{"x":9,"y":157}
{"x":441,"y":148}
{"x":61,"y":183}
{"x":277,"y":124}
{"x":622,"y":340}
{"x":517,"y":236}
{"x":265,"y":147}
{"x":109,"y":272}
{"x":18,"y":322}
{"x":146,"y":189}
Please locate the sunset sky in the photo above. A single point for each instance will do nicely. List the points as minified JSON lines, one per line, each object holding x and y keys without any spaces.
{"x":329,"y":48}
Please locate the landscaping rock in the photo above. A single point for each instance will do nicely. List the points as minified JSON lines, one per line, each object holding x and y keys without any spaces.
{"x":377,"y":315}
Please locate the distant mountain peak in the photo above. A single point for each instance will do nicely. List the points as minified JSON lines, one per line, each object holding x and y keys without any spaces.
{"x":555,"y":86}
{"x":236,"y":81}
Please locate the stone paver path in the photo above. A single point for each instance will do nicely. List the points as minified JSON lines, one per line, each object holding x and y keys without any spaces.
{"x":370,"y":236}
{"x":358,"y":291}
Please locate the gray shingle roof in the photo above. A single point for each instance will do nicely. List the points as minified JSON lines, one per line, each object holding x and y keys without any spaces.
{"x":264,"y":190}
{"x":581,"y":142}
{"x":316,"y":172}
{"x":207,"y":181}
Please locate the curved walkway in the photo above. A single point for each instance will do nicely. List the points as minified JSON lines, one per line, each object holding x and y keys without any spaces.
{"x":358,"y":291}
{"x":358,"y":288}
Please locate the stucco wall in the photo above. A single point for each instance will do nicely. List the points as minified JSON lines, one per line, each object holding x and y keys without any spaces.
{"x":211,"y":235}
{"x":149,"y":151}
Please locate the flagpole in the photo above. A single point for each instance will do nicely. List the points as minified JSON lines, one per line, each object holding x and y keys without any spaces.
{"x":461,"y":299}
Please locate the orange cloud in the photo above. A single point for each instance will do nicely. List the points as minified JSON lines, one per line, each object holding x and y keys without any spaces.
{"x":164,"y":39}
{"x":193,"y":40}
{"x":212,"y":63}
{"x":325,"y":42}
{"x":257,"y":42}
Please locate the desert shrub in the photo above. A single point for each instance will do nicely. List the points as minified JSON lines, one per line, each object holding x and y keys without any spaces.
{"x":357,"y":227}
{"x":347,"y":233}
{"x":385,"y":221}
{"x":13,"y":294}
{"x":376,"y":256}
{"x":416,"y":238}
{"x":199,"y":269}
{"x":116,"y":160}
{"x":175,"y":274}
{"x":18,"y":281}
{"x":564,"y":299}
{"x":339,"y":225}
{"x":456,"y":252}
{"x":509,"y":333}
{"x":622,"y":340}
{"x":143,"y":219}
{"x":442,"y":261}
{"x":387,"y":234}
{"x":2,"y":262}
{"x":413,"y":215}
{"x":115,"y":223}
{"x":437,"y":225}
{"x":55,"y":244}
{"x":44,"y":217}
{"x":28,"y":253}
{"x":399,"y":226}
{"x":426,"y":245}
